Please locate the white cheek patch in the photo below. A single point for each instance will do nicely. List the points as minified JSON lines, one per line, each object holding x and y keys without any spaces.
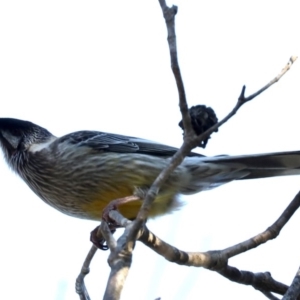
{"x":13,"y":140}
{"x":40,"y":146}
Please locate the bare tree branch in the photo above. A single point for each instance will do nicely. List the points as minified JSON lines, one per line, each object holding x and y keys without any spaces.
{"x":216,"y":260}
{"x":191,"y":140}
{"x":169,"y":16}
{"x":260,"y":281}
{"x":269,"y":234}
{"x":270,"y":295}
{"x":102,"y":231}
{"x":106,"y":233}
{"x":121,"y":251}
{"x":277,"y":78}
{"x":80,"y":285}
{"x":294,"y":290}
{"x":242,"y":100}
{"x":119,"y":260}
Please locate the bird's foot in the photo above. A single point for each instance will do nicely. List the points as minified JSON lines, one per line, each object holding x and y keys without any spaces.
{"x":97,"y":239}
{"x":113,"y":205}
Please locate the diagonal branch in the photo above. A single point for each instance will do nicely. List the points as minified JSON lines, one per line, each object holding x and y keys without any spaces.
{"x":269,"y":234}
{"x":276,"y":79}
{"x":218,"y":260}
{"x":242,"y":100}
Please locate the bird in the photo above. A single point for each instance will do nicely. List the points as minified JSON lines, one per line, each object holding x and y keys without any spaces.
{"x":80,"y":173}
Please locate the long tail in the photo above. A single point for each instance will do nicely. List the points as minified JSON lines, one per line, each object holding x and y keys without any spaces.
{"x":210,"y":172}
{"x":263,"y":165}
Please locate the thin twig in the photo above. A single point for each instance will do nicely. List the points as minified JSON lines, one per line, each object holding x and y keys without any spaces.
{"x":107,"y":235}
{"x":119,"y":260}
{"x":276,"y":79}
{"x":102,"y":232}
{"x":169,"y":16}
{"x":118,"y":218}
{"x":269,"y":295}
{"x":271,"y":232}
{"x":80,"y":285}
{"x":242,"y":100}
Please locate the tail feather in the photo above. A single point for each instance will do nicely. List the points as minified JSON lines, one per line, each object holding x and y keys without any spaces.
{"x":262,"y":165}
{"x":206,"y":173}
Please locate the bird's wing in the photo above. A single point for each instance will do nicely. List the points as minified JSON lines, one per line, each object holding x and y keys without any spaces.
{"x":253,"y":166}
{"x":109,"y":142}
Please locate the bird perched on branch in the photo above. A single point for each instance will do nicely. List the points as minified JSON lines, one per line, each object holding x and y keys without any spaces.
{"x":80,"y":173}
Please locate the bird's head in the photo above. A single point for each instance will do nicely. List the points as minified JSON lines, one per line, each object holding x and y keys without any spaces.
{"x":17,"y":135}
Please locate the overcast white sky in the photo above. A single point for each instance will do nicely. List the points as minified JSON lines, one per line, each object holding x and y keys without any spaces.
{"x":104,"y":65}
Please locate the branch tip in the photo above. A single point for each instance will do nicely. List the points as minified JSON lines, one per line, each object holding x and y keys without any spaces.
{"x":242,"y":95}
{"x":293,"y":58}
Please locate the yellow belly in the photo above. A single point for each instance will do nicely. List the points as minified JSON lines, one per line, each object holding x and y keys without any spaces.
{"x":165,"y":202}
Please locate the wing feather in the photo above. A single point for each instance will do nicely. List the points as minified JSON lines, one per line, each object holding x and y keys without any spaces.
{"x":109,"y":142}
